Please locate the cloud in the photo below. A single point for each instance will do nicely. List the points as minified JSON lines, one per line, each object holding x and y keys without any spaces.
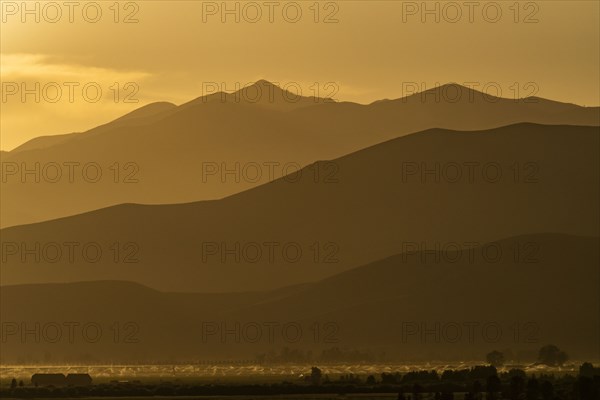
{"x":56,"y":107}
{"x":43,"y":68}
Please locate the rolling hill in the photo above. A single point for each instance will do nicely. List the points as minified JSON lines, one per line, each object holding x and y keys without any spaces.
{"x":453,"y":304}
{"x":428,"y":189}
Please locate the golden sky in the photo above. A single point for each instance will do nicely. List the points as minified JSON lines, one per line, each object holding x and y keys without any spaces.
{"x":150,"y":50}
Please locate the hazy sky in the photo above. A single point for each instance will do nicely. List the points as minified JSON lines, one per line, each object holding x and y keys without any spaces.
{"x":165,"y":50}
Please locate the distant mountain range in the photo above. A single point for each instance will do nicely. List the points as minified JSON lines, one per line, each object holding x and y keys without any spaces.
{"x":432,"y":188}
{"x":156,"y":154}
{"x":408,"y":306}
{"x":400,"y":225}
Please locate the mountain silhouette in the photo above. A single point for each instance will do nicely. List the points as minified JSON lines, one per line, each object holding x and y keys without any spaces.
{"x":549,"y":298}
{"x":156,"y":154}
{"x":333,"y":216}
{"x":263,"y":94}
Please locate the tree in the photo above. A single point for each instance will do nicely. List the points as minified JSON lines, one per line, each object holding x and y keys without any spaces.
{"x":586,"y":369}
{"x":533,"y":389}
{"x":517,"y":372}
{"x":585,"y":390}
{"x":417,"y":390}
{"x":493,"y":386}
{"x":370,"y":380}
{"x":552,"y":355}
{"x":390,"y":379}
{"x":13,"y":383}
{"x":315,"y":376}
{"x":495,"y":358}
{"x":477,"y":388}
{"x":547,"y":390}
{"x":482,"y":372}
{"x":517,"y":386}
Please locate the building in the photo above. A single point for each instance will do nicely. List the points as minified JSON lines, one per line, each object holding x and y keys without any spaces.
{"x":61,"y":380}
{"x":48,"y":379}
{"x":78,"y":380}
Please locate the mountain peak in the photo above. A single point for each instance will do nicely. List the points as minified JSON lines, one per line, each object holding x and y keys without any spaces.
{"x":452,"y":92}
{"x":263,"y":82}
{"x":451,"y":85}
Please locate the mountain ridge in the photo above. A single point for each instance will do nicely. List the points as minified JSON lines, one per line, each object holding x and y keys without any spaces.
{"x":368,"y":189}
{"x":264,"y":82}
{"x":366,"y":308}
